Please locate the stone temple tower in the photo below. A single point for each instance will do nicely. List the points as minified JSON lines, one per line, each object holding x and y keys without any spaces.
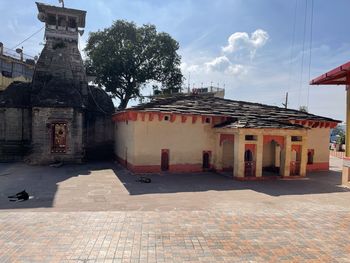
{"x":58,"y":117}
{"x":59,"y":88}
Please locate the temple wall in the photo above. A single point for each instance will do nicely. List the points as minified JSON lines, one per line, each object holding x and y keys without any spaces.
{"x":185,"y":142}
{"x":42,"y":135}
{"x":15,"y":133}
{"x":318,"y":140}
{"x":124,"y":142}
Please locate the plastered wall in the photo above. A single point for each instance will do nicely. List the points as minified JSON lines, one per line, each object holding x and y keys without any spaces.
{"x":186,"y":141}
{"x":318,"y":139}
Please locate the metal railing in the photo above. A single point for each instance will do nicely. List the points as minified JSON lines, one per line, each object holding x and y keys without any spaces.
{"x":249,"y":168}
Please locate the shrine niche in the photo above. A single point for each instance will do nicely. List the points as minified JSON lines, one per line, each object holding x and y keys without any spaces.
{"x":59,"y":137}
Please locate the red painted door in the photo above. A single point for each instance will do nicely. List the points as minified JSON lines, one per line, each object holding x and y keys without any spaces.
{"x":165,"y":161}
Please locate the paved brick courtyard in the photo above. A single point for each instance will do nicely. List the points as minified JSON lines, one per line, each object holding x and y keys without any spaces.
{"x":98,"y":213}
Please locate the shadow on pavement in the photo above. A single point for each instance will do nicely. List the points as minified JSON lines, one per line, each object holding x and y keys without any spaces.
{"x":315,"y":183}
{"x":41,"y":182}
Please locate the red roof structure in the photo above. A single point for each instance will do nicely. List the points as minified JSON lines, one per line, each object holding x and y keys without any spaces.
{"x":338,"y":76}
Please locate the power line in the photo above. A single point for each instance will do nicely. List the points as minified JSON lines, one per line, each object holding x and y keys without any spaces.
{"x":302,"y":56}
{"x":310,"y":47}
{"x":28,"y":37}
{"x":292,"y":45}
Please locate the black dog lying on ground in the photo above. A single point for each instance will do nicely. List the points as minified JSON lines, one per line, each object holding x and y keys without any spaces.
{"x":21,"y":196}
{"x":143,"y":179}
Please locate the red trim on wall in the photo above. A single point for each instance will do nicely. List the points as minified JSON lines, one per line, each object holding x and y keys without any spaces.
{"x":183,"y":118}
{"x":176,"y":168}
{"x":227,"y":137}
{"x":172,"y":117}
{"x":194,"y":119}
{"x":317,"y":167}
{"x":143,"y":115}
{"x":151,"y":116}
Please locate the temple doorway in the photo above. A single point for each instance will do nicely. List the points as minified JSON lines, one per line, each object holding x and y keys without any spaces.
{"x":227,"y":156}
{"x":271,"y":158}
{"x":295,"y":160}
{"x":165,"y":160}
{"x":249,"y":163}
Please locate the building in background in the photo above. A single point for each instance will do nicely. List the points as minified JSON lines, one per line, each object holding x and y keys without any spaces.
{"x":192,"y":133}
{"x":13,"y":68}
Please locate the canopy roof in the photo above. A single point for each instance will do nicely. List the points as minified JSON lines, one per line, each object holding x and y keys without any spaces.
{"x":337,"y":76}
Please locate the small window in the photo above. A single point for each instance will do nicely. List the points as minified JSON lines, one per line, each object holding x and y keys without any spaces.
{"x":166,"y":117}
{"x":62,"y":21}
{"x":297,"y":138}
{"x":207,"y":120}
{"x":250,"y":137}
{"x":72,"y":23}
{"x":51,"y":19}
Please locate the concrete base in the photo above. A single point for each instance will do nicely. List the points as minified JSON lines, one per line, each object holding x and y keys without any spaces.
{"x":345,"y":180}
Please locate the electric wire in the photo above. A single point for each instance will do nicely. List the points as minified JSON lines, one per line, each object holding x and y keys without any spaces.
{"x":302,"y":55}
{"x":292,"y":46}
{"x":28,"y":37}
{"x":310,"y":50}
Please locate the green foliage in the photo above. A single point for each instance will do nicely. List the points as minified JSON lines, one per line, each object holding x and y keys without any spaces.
{"x":339,"y":132}
{"x":124,"y":57}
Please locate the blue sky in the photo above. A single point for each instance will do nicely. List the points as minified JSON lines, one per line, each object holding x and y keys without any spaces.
{"x":245,"y":45}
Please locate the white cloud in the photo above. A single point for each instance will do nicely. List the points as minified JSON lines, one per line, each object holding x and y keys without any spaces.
{"x":218,"y":64}
{"x":236,"y":70}
{"x":242,"y":40}
{"x":223,"y":64}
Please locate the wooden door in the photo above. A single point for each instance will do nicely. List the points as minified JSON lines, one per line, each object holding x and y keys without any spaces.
{"x":165,"y":160}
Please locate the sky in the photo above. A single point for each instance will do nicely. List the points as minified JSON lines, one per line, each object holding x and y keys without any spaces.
{"x":256,"y":50}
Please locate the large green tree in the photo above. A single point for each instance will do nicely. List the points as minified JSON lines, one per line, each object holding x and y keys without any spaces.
{"x":124,"y":57}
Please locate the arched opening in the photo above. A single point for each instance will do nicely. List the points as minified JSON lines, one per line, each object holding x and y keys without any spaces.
{"x":165,"y":160}
{"x":206,"y":161}
{"x":249,"y":163}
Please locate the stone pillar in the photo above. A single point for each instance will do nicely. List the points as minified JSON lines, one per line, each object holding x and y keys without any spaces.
{"x":286,"y":155}
{"x":218,"y":153}
{"x":239,"y":146}
{"x":259,"y":155}
{"x":347,"y":142}
{"x":346,"y":162}
{"x":303,"y":159}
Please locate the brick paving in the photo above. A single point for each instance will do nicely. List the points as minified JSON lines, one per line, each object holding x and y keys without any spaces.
{"x":283,"y":224}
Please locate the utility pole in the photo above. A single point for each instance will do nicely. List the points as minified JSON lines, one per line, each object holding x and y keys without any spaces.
{"x":286,"y":102}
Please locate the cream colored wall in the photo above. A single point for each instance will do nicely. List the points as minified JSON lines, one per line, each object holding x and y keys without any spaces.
{"x":186,"y":141}
{"x":124,"y":140}
{"x":268,"y":154}
{"x":318,"y":139}
{"x":227,"y":154}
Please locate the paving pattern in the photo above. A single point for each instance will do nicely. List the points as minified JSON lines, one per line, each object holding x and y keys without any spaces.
{"x":274,"y":225}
